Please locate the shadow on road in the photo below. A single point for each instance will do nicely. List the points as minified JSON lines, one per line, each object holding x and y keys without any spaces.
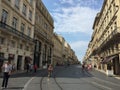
{"x":12,"y":88}
{"x":59,"y":71}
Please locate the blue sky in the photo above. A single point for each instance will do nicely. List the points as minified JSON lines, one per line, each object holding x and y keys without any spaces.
{"x":73,"y":19}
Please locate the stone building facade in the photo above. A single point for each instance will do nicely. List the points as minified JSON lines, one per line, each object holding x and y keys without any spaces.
{"x":43,"y":35}
{"x":17,"y":31}
{"x":104,"y":45}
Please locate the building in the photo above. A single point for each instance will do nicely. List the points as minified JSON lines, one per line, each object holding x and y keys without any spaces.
{"x":17,"y":31}
{"x":105,"y":39}
{"x":62,"y":53}
{"x":43,"y":35}
{"x":57,"y":54}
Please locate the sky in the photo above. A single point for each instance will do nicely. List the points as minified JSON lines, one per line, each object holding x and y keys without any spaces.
{"x":73,"y":19}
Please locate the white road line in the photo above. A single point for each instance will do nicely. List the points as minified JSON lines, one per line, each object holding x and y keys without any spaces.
{"x":106,"y":88}
{"x":107,"y":81}
{"x":25,"y":86}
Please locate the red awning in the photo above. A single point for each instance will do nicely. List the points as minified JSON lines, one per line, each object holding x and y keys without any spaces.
{"x":107,"y":59}
{"x":28,"y":58}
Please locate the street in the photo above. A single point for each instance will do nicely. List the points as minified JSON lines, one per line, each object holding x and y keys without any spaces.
{"x":63,"y":78}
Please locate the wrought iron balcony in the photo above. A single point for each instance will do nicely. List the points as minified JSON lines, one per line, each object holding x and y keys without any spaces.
{"x":12,"y":30}
{"x":111,"y":37}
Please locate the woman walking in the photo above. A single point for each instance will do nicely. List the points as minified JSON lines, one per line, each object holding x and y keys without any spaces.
{"x":50,"y":70}
{"x":7,"y":68}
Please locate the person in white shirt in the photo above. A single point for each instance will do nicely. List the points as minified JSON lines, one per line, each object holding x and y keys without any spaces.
{"x":7,"y":68}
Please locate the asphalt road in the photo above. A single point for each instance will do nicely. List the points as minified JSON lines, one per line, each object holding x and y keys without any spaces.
{"x":63,"y":78}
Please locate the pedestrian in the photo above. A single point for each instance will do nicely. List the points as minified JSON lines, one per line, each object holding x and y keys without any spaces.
{"x":90,"y":67}
{"x":13,"y":68}
{"x":83,"y":67}
{"x":50,"y":70}
{"x":7,"y":69}
{"x":35,"y":68}
{"x":27,"y":67}
{"x":31,"y":67}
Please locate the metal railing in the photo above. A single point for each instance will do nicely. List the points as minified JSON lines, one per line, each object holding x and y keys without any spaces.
{"x":14,"y":31}
{"x":110,"y":36}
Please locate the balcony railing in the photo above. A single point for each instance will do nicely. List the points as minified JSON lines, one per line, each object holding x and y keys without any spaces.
{"x":14,"y":31}
{"x":111,"y":36}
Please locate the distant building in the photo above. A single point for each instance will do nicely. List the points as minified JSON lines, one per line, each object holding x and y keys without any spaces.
{"x":63,"y":53}
{"x":43,"y":35}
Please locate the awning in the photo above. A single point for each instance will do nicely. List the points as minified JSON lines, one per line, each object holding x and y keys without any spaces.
{"x":2,"y":59}
{"x":107,"y":59}
{"x":28,"y":58}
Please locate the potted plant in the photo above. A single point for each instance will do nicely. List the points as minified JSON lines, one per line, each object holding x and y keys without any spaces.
{"x":109,"y":69}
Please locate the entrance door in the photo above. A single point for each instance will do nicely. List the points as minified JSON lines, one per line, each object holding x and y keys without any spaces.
{"x":116,"y":67}
{"x":19,"y":62}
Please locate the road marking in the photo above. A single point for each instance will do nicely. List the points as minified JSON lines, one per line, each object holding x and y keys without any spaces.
{"x":106,"y":81}
{"x":25,"y":86}
{"x":101,"y":86}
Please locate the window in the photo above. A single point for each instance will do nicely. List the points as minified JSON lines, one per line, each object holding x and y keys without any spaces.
{"x":14,"y":23}
{"x":12,"y":44}
{"x":4,"y":16}
{"x":31,"y":1}
{"x":22,"y":28}
{"x":21,"y":46}
{"x":24,"y":9}
{"x":30,"y":14}
{"x":2,"y":40}
{"x":45,"y":26}
{"x":115,"y":25}
{"x":29,"y":31}
{"x":27,"y":48}
{"x":17,"y":2}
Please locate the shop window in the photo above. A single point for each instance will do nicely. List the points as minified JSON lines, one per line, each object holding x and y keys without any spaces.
{"x":109,"y":65}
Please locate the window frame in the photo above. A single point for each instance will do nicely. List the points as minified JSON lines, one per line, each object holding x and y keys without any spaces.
{"x":24,"y":9}
{"x":14,"y":22}
{"x":4,"y":16}
{"x":17,"y":3}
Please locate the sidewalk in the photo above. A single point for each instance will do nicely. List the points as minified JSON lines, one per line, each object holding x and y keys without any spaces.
{"x":18,"y":79}
{"x":115,"y":76}
{"x":21,"y":71}
{"x":14,"y":73}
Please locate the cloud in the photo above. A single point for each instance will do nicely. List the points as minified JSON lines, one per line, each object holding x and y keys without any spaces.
{"x":76,"y":16}
{"x":74,"y":19}
{"x":66,"y":2}
{"x":79,"y":44}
